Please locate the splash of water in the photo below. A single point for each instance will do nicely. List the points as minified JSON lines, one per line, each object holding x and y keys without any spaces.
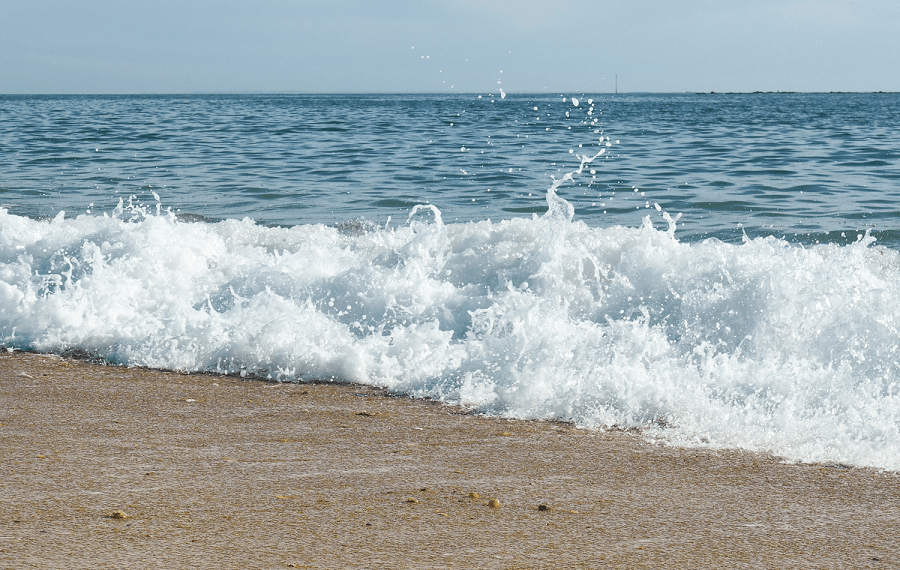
{"x":762,"y":345}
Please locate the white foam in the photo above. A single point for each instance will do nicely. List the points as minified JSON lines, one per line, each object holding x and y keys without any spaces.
{"x":763,"y":345}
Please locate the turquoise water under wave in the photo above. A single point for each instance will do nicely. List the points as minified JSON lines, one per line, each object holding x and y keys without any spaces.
{"x":805,"y":166}
{"x":722,"y":271}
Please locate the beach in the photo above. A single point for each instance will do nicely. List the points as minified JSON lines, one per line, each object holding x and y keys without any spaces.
{"x":103,"y":465}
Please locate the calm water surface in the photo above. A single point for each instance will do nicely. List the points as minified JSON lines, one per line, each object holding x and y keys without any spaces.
{"x":811,"y":167}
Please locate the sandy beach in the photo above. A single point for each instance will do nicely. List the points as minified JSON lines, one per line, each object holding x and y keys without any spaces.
{"x":103,"y":466}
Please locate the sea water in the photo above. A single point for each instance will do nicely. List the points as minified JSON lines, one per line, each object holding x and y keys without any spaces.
{"x":719,"y":270}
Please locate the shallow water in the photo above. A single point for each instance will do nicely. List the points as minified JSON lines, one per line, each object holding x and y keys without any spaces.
{"x":518,"y":305}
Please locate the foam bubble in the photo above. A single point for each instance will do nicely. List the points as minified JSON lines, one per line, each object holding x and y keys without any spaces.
{"x":762,"y":345}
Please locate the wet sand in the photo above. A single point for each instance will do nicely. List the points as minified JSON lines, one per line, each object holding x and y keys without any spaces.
{"x":219,"y":472}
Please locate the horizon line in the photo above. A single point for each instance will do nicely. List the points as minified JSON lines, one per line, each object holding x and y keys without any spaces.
{"x":481,"y":93}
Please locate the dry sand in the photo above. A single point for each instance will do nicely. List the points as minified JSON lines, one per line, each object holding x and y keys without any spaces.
{"x":218,"y":472}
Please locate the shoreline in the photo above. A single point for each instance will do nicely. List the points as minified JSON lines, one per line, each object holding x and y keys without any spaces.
{"x":213,"y":470}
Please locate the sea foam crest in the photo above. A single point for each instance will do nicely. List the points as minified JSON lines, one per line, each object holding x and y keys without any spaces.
{"x":762,"y":345}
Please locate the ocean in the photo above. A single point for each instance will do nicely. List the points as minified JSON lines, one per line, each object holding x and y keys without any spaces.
{"x":719,"y":270}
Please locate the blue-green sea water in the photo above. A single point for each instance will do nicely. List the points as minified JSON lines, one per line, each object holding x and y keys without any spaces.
{"x":805,"y":166}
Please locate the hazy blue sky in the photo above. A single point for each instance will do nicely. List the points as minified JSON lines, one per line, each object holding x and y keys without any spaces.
{"x":166,"y":46}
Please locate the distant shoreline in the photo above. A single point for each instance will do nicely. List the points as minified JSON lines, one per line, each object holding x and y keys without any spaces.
{"x":438,"y":93}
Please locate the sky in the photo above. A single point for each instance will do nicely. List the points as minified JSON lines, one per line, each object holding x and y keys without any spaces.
{"x":404,"y":46}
